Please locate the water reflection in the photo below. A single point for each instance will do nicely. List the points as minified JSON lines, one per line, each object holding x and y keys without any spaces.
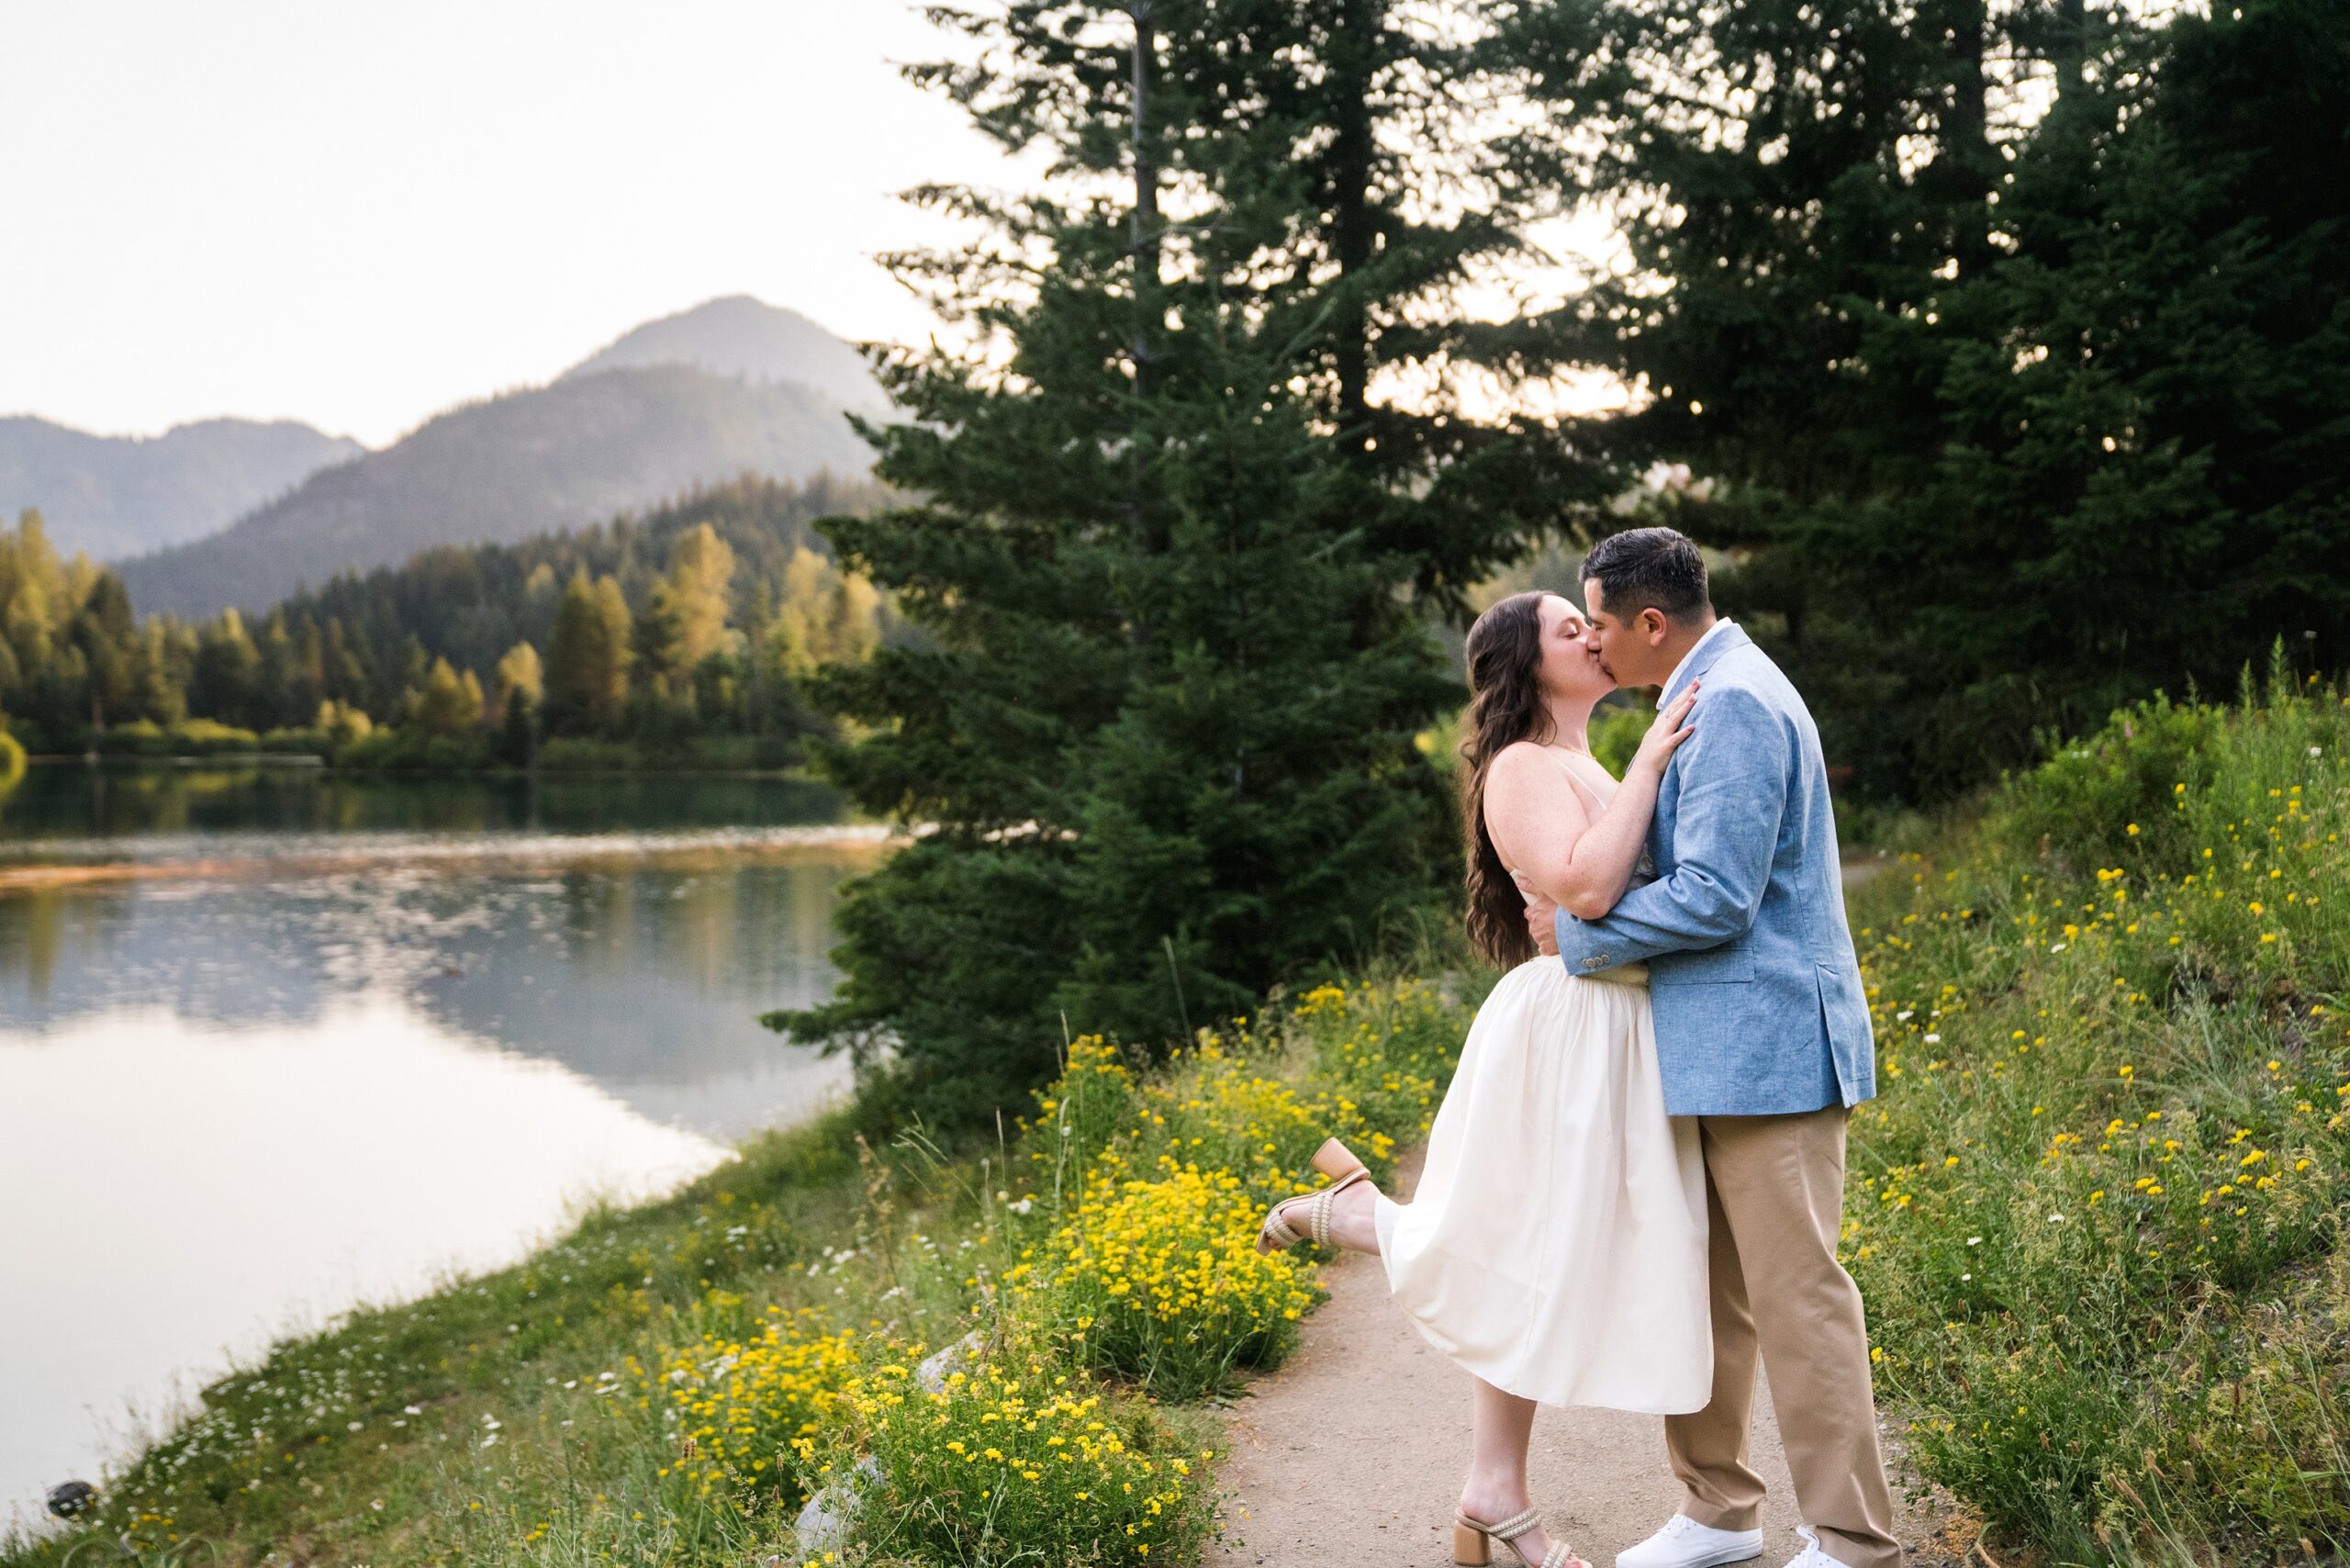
{"x":322,"y":1037}
{"x":57,"y":804}
{"x":647,"y":981}
{"x":178,"y":1195}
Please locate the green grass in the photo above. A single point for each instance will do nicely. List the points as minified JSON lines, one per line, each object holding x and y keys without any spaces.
{"x":667,"y":1386}
{"x":2097,"y":1209}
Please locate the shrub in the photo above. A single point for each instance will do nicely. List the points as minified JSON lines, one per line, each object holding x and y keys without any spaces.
{"x":304,"y":741}
{"x":1015,"y":1462}
{"x":584,"y":754}
{"x":2069,"y":808}
{"x":744,"y":1411}
{"x":191,"y":737}
{"x":1144,"y":1263}
{"x":1160,"y":1280}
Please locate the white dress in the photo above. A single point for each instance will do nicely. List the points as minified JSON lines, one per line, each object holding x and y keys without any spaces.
{"x":1556,"y":1244}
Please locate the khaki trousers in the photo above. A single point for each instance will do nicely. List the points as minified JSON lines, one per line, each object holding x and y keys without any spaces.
{"x":1774,"y":1201}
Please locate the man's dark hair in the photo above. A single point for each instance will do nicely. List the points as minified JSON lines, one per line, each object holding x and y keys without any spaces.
{"x":1644,"y":568}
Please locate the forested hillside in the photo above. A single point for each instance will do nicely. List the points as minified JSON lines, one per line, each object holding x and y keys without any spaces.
{"x":693,"y":620}
{"x":114,"y":496}
{"x":503,"y":470}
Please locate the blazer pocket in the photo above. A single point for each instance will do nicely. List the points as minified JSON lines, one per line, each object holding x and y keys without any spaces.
{"x":1720,"y":966}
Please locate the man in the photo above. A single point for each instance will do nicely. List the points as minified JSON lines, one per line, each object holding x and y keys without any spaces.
{"x":1762,"y":1034}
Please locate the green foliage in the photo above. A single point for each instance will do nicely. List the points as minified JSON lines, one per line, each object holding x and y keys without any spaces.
{"x":473,"y":606}
{"x":2098,"y":1211}
{"x":12,"y":760}
{"x":1615,"y":731}
{"x":410,"y":644}
{"x":191,"y":737}
{"x":303,"y":740}
{"x":448,"y":705}
{"x":1173,"y":560}
{"x":412,"y":749}
{"x":2130,"y":773}
{"x":2016,"y":411}
{"x":588,"y":657}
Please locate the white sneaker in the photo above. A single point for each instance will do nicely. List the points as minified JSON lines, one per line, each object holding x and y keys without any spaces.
{"x":1811,"y":1556}
{"x":1685,"y":1544}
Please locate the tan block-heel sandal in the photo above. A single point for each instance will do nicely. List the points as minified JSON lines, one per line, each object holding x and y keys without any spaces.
{"x":1333,"y":1160}
{"x":1472,"y":1542}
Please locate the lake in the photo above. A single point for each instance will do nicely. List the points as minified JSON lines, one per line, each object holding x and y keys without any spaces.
{"x":274,"y":1041}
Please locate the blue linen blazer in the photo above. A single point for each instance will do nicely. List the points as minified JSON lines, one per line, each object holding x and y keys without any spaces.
{"x":1754,"y":986}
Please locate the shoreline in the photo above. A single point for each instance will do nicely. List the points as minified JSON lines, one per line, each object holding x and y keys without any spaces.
{"x":687,"y":850}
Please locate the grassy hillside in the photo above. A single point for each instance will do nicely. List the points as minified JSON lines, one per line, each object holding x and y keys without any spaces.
{"x":2097,"y":1211}
{"x":667,"y":1386}
{"x":502,"y":470}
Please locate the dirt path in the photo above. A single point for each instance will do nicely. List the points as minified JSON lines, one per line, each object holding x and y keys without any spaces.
{"x":1351,"y":1455}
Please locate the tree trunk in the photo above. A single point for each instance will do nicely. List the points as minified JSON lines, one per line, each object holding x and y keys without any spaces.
{"x":1966,"y":143}
{"x":1353,"y":60}
{"x":1146,"y":244}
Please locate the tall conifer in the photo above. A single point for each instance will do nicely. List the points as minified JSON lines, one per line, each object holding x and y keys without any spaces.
{"x":1184,"y":507}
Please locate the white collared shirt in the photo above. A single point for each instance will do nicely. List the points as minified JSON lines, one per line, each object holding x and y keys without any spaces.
{"x":1711,"y":632}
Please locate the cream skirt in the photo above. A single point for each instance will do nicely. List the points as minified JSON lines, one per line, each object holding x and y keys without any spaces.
{"x":1556,"y":1244}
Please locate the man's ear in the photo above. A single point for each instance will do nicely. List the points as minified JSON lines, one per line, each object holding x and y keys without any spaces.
{"x":1654,"y":626}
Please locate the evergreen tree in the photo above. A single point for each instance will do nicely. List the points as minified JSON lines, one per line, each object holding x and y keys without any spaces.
{"x":657,"y":642}
{"x":107,"y":638}
{"x":586,"y":659}
{"x":2009,"y":415}
{"x":701,"y":568}
{"x":2136,"y":477}
{"x":223,"y":683}
{"x":449,"y":703}
{"x":1177,"y":540}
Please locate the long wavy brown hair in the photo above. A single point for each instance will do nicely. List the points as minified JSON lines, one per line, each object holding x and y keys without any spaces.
{"x":1505,"y":657}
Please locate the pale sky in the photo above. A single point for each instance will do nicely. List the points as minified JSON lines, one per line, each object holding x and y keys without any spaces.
{"x":357,"y":212}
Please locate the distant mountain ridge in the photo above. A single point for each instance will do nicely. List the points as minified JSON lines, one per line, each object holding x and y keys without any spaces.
{"x":698,"y":397}
{"x":579,"y":451}
{"x":111,"y":494}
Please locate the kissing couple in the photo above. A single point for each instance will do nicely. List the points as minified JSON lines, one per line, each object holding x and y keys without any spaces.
{"x":1634,"y":1187}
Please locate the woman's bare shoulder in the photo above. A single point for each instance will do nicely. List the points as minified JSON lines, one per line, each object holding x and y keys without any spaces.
{"x":1522,"y":757}
{"x":1526,"y":775}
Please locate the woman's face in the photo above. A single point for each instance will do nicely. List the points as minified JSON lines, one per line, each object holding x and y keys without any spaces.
{"x":1568,"y":669}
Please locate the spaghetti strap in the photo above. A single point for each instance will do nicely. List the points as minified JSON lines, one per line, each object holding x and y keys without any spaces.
{"x":1575,"y":778}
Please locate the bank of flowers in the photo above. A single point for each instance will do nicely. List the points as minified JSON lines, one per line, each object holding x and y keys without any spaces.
{"x":2098,"y":1211}
{"x":1104,"y":1289}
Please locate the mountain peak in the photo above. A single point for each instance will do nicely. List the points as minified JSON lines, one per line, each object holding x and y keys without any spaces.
{"x":119,"y":495}
{"x":739,"y":335}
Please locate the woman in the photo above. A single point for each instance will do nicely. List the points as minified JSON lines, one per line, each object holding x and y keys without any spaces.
{"x":1556,"y":1245}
